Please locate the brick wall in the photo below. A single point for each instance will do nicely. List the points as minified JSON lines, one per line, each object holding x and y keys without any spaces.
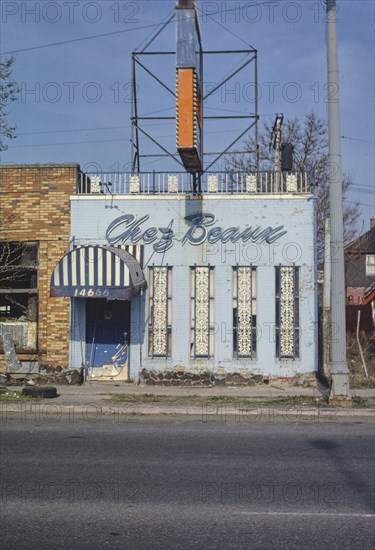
{"x":35,"y":206}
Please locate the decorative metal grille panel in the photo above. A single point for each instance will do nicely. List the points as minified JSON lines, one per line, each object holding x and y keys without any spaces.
{"x":202,"y":310}
{"x":134,"y":184}
{"x":291,"y":183}
{"x":160,"y":311}
{"x":244,"y":313}
{"x":287,"y":312}
{"x":95,"y":184}
{"x":172,"y":184}
{"x":251,"y":183}
{"x":212,"y":182}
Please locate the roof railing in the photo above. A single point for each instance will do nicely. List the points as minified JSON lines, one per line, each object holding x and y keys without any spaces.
{"x":227,"y":183}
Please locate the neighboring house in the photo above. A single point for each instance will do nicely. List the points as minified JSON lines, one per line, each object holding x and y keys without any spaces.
{"x":360,"y":269}
{"x":34,"y":233}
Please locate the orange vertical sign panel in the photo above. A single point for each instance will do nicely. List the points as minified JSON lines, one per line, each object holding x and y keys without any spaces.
{"x":185,"y":109}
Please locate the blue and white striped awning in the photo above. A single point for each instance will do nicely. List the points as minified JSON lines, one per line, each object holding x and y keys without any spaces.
{"x":94,"y":271}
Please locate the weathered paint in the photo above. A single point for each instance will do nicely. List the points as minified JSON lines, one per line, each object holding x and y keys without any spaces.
{"x":91,"y":218}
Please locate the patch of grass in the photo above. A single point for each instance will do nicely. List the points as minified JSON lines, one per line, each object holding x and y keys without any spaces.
{"x":16,"y":396}
{"x":298,"y":401}
{"x":198,"y":399}
{"x":222,"y":398}
{"x":139,"y":398}
{"x":363,"y":402}
{"x":362,"y":384}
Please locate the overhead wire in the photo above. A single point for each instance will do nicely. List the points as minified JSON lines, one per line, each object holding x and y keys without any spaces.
{"x":357,"y":139}
{"x":226,"y":28}
{"x":83,"y":38}
{"x":154,"y":112}
{"x":355,"y":202}
{"x":163,"y":24}
{"x":66,"y":143}
{"x":96,"y":141}
{"x":85,"y":129}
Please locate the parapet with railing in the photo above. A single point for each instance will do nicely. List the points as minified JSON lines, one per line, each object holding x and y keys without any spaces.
{"x":182,"y":183}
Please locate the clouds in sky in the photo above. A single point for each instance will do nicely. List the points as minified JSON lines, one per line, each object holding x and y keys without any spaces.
{"x":86,"y":84}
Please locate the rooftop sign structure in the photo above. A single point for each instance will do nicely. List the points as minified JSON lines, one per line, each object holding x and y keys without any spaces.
{"x":189,"y":96}
{"x":189,"y":83}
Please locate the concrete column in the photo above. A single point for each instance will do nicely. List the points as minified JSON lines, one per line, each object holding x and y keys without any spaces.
{"x":340,"y":392}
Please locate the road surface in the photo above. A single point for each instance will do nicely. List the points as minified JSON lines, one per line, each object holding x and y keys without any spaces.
{"x":135,"y":482}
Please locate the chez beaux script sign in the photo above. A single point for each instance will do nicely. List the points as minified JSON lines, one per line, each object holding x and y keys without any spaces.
{"x":128,"y":228}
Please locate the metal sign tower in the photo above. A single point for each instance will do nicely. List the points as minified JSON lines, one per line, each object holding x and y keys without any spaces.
{"x":189,"y":97}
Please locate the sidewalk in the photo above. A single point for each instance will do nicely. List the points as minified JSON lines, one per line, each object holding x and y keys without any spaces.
{"x":93,"y":400}
{"x":101,"y":390}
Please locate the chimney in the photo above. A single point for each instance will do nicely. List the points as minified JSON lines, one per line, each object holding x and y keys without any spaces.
{"x":372,"y":222}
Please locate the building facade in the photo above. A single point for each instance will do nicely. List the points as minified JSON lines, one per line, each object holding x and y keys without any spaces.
{"x":34,"y":234}
{"x":163,"y":280}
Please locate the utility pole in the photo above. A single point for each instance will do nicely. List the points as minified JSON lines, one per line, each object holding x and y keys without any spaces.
{"x":326,"y":332}
{"x":340,"y":392}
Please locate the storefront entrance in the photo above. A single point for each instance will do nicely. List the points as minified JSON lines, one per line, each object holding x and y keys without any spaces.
{"x":107,"y":333}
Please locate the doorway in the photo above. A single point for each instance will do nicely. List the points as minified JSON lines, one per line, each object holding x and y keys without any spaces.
{"x":107,"y":331}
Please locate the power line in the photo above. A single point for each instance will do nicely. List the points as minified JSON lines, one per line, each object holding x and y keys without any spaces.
{"x":83,"y":129}
{"x":66,"y":143}
{"x":79,"y":39}
{"x":361,"y":185}
{"x":226,"y":110}
{"x":355,"y":202}
{"x":158,"y":111}
{"x":165,"y":22}
{"x":356,"y":139}
{"x":74,"y":130}
{"x":161,"y":123}
{"x":226,"y":28}
{"x":94,"y":141}
{"x":124,"y":127}
{"x":364,"y":191}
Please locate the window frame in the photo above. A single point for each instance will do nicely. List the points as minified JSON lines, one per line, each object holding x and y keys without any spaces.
{"x":370,"y":263}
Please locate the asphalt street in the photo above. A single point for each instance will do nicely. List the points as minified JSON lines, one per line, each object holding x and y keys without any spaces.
{"x":183,"y":483}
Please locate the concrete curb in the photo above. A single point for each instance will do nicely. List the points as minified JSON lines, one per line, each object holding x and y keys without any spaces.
{"x":94,"y":411}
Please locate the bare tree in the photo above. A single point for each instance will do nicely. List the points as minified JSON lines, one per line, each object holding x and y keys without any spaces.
{"x":10,"y":260}
{"x":310,"y":152}
{"x":8,"y":93}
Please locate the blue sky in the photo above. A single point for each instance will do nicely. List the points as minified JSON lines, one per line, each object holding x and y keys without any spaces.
{"x":75,"y":99}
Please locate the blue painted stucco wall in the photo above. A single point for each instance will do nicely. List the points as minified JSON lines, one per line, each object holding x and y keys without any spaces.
{"x":91,"y":215}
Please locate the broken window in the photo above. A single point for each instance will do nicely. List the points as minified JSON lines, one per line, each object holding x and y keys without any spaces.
{"x":19,"y":292}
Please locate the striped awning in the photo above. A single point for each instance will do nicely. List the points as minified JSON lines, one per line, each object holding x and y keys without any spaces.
{"x":94,"y":271}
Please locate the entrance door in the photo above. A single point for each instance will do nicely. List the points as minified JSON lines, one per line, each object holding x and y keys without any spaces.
{"x":106,"y":325}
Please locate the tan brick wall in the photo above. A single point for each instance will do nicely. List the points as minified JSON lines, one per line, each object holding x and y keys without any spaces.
{"x":35,"y":206}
